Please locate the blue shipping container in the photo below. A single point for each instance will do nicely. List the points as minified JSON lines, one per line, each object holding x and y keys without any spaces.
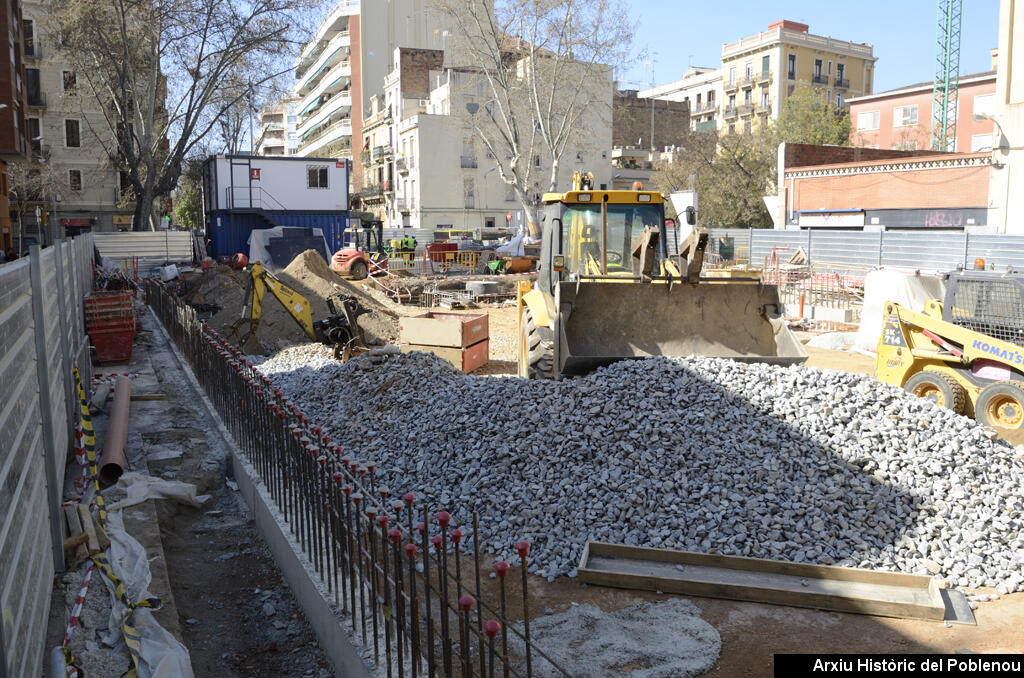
{"x":227,"y":232}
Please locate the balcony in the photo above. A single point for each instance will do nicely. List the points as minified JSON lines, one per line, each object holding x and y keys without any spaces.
{"x":764,"y":76}
{"x":380,"y":153}
{"x":730,"y":112}
{"x":468,"y":162}
{"x":747,"y":80}
{"x":764,"y":108}
{"x":32,"y":50}
{"x":730,"y":86}
{"x":36,"y":100}
{"x":746,"y":109}
{"x":791,"y":75}
{"x":403,"y":205}
{"x":842,"y":83}
{"x":405,"y":163}
{"x":820,"y":79}
{"x":336,"y":131}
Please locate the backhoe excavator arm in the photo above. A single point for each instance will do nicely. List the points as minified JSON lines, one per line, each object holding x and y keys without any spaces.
{"x":297,"y":305}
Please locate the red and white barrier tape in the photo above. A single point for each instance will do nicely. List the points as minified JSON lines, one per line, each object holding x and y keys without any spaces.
{"x":76,"y":613}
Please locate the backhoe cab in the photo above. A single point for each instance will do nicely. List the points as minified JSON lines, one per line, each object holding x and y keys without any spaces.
{"x":609,"y":290}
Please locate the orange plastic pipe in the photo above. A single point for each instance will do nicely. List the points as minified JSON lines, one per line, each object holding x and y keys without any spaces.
{"x":112,"y":463}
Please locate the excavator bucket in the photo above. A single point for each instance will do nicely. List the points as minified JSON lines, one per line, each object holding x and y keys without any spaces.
{"x":602,"y":322}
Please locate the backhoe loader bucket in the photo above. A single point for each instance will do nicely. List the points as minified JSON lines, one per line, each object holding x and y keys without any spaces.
{"x":602,"y":322}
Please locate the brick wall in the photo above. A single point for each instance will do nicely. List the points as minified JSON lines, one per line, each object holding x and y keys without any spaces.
{"x":806,"y":155}
{"x":631,"y":121}
{"x":916,"y":188}
{"x":415,"y":66}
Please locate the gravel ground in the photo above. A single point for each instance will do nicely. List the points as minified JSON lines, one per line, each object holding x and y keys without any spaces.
{"x":700,"y":454}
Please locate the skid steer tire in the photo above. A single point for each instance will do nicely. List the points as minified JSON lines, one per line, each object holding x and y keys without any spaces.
{"x":358,"y":271}
{"x":1001,"y":405}
{"x":941,"y":389}
{"x":537,"y":349}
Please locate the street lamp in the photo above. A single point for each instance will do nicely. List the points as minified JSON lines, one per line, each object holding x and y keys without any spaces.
{"x":985,"y":117}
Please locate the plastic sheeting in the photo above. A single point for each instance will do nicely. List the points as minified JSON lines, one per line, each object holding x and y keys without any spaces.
{"x":258,"y":245}
{"x":513,"y":248}
{"x":161,"y":655}
{"x":907,"y":288}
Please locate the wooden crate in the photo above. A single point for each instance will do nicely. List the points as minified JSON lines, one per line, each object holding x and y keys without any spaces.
{"x":466,"y":359}
{"x":450,"y":330}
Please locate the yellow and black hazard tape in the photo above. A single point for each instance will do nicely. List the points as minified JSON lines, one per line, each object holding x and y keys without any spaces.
{"x":128,"y":630}
{"x":89,"y":440}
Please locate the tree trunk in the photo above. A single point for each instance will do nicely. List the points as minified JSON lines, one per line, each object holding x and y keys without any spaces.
{"x":21,"y":233}
{"x":143,"y":210}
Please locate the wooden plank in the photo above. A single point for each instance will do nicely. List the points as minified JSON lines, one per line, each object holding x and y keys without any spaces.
{"x":93,"y":543}
{"x":74,"y":523}
{"x":465,"y":359}
{"x":149,"y":396}
{"x":826,"y":587}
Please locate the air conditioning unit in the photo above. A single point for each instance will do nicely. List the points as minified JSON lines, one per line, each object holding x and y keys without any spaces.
{"x":424,"y":102}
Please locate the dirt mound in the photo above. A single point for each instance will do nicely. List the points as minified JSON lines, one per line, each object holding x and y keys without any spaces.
{"x":307,"y":274}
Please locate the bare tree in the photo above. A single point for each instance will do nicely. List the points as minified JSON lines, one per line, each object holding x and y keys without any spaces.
{"x":542,"y":68}
{"x":160,"y":72}
{"x":31,"y":185}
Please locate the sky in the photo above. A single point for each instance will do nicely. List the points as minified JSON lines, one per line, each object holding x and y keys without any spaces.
{"x":681,"y":33}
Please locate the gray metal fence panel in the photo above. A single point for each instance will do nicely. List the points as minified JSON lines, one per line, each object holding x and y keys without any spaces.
{"x":33,"y":365}
{"x":844,"y":248}
{"x":740,"y":238}
{"x":998,"y":250}
{"x":152,"y":248}
{"x":928,"y":251}
{"x":786,"y":242}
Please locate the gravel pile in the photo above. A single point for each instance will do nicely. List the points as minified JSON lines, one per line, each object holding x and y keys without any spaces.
{"x":709,"y":455}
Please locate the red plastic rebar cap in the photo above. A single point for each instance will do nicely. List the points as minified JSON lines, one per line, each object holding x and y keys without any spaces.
{"x":501,"y":568}
{"x":410,"y":550}
{"x":383,"y":492}
{"x":443,"y":518}
{"x":409,"y":498}
{"x":395,"y":534}
{"x":397,"y":507}
{"x":523,"y":548}
{"x":322,"y":460}
{"x":347,"y":489}
{"x":325,"y":440}
{"x":316,"y":429}
{"x":436,"y":541}
{"x":372,"y":466}
{"x":421,"y":528}
{"x":457,"y":535}
{"x":382,"y":520}
{"x":371,"y":511}
{"x":466,"y":603}
{"x":357,"y":497}
{"x":338,"y":476}
{"x":492,"y":627}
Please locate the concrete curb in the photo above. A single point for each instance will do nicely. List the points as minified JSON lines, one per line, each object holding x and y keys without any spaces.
{"x":328,"y":625}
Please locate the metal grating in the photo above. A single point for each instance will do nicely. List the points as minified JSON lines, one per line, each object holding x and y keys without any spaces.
{"x":990,"y":306}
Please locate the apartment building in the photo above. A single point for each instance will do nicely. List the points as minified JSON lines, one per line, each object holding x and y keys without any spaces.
{"x":13,"y":142}
{"x":65,"y":127}
{"x":901,"y":118}
{"x":759,"y":72}
{"x":426,"y":168}
{"x":701,"y":89}
{"x":345,"y":64}
{"x":278,"y":123}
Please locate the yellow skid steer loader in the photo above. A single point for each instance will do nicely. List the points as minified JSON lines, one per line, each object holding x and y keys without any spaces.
{"x":966,"y":354}
{"x":608,"y":290}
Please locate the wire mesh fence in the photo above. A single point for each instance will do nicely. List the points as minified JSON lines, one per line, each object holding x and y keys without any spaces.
{"x":405,"y":574}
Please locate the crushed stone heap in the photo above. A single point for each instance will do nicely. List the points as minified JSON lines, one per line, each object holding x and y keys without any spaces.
{"x":709,"y":455}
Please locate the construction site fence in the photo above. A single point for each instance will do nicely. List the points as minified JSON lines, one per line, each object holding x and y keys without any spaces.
{"x":426,"y":263}
{"x":42,"y":339}
{"x":406,"y":573}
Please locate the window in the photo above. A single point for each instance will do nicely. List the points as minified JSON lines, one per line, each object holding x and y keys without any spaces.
{"x":316,"y":177}
{"x":747,"y":96}
{"x":579,"y":156}
{"x":732,"y":101}
{"x":904,"y":116}
{"x":75,"y":180}
{"x":984,"y":104}
{"x":72,"y":134}
{"x":830,"y":67}
{"x":536,"y":161}
{"x":868,"y":120}
{"x":510,"y":193}
{"x":30,"y":37}
{"x":817,"y":68}
{"x":732,"y":75}
{"x":764,"y":66}
{"x":981,"y":142}
{"x":469,"y":192}
{"x":841,"y":71}
{"x":698,"y":101}
{"x":711,"y":97}
{"x":32,"y":88}
{"x":839,"y":99}
{"x":70,"y":81}
{"x":35,"y":136}
{"x":764,"y":98}
{"x":905,"y":146}
{"x":748,"y":70}
{"x":293,"y":119}
{"x":732,"y":128}
{"x":791,"y":67}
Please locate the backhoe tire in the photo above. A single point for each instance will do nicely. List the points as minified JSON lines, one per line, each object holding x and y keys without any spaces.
{"x":1001,"y":405}
{"x":358,"y":270}
{"x":537,"y":349}
{"x":941,"y":389}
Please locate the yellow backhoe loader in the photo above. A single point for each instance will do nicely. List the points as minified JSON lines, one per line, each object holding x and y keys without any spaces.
{"x":608,"y":290}
{"x":966,"y":353}
{"x":339,"y":330}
